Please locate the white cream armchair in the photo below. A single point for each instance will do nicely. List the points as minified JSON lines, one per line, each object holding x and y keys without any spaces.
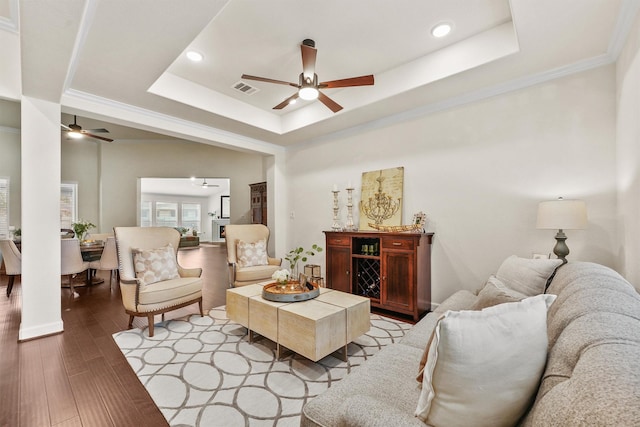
{"x":240,"y":275}
{"x":141,"y":294}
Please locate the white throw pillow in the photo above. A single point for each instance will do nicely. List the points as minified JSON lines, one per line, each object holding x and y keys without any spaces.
{"x":155,"y":265}
{"x":525,"y":275}
{"x":484,"y":367}
{"x":250,"y":254}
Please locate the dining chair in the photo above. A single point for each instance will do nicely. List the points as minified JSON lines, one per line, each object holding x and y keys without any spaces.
{"x":12,"y":261}
{"x":151,"y":280}
{"x":108,"y":260}
{"x":71,"y":261}
{"x":244,"y":271}
{"x":67,"y":233}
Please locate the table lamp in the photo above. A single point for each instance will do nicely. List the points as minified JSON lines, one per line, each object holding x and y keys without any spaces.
{"x":562,"y":215}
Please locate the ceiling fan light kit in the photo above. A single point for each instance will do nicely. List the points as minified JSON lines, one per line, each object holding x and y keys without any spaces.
{"x":308,"y":86}
{"x":75,"y":131}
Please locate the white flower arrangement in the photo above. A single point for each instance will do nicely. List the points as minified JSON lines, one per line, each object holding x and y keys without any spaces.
{"x":281,"y":276}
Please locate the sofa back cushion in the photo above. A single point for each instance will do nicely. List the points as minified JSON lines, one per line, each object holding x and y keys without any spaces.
{"x":592,"y":375}
{"x":527,"y":276}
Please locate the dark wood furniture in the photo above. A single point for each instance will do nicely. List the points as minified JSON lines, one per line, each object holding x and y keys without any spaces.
{"x":392,"y":269}
{"x":258,"y":203}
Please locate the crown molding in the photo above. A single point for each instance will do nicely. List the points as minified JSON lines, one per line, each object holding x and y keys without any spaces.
{"x":179,"y":127}
{"x":624,"y":22}
{"x":11,"y":24}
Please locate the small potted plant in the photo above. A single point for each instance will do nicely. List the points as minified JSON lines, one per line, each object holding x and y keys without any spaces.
{"x":81,"y":227}
{"x":300,"y":254}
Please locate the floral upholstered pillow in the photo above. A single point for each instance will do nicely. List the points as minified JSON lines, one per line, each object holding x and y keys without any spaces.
{"x":250,"y":254}
{"x":155,"y":265}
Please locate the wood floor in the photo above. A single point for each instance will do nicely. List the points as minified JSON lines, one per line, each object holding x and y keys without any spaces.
{"x":80,"y":377}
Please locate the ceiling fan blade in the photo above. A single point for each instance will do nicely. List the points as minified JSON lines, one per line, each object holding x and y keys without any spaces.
{"x":330,"y":103}
{"x":96,"y":136}
{"x":353,"y":81}
{"x":65,"y":128}
{"x":308,"y":60}
{"x":99,"y":130}
{"x":264,"y":79}
{"x":286,"y":102}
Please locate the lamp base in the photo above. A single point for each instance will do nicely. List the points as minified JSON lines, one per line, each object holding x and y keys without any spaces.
{"x":561,"y":249}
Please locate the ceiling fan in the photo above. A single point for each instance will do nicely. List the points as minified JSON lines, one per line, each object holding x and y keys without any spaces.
{"x":205,"y":185}
{"x":75,"y":131}
{"x":308,"y":86}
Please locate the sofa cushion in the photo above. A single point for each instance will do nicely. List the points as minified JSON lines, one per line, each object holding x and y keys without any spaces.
{"x":495,"y":292}
{"x":484,"y":367}
{"x":251,"y":254}
{"x":155,"y":265}
{"x":256,"y":273}
{"x":421,"y":331}
{"x":169,"y":290}
{"x":385,"y":374}
{"x":527,"y":276}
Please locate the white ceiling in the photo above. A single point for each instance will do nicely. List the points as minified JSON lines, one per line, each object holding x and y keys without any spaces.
{"x":121,"y":63}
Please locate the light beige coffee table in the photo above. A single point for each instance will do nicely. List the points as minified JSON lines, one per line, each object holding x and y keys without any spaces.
{"x":313,"y":328}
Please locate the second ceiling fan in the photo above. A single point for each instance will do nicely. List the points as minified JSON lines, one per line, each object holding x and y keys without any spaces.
{"x":308,"y":86}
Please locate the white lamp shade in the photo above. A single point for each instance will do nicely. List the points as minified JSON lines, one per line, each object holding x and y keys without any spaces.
{"x":562,"y":215}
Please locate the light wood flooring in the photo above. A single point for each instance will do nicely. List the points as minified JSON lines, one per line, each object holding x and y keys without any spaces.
{"x":80,"y":377}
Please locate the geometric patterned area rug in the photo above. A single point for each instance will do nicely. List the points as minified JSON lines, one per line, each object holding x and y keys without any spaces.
{"x":202,"y":371}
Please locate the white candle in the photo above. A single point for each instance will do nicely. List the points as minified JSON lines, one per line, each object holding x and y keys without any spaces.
{"x":335,"y":187}
{"x":349,"y":185}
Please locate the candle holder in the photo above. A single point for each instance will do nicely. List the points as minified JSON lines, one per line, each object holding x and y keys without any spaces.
{"x":336,"y":224}
{"x":349,"y":226}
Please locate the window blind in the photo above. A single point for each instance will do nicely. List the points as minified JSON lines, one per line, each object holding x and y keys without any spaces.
{"x":68,"y":204}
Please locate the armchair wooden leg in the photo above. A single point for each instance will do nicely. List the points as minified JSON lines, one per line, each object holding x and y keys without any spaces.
{"x":131,"y":321}
{"x":150,"y":317}
{"x":200,"y":306}
{"x":10,"y":285}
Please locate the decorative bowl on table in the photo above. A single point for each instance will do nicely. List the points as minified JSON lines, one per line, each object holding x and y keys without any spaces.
{"x":291,"y":292}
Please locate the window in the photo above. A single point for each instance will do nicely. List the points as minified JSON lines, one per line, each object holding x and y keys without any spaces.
{"x":146,"y":218}
{"x":166,"y":214}
{"x":68,"y":204}
{"x":154,"y":213}
{"x":191,"y":216}
{"x":4,"y":208}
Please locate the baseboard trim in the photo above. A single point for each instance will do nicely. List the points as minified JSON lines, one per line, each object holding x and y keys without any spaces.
{"x":39,"y":331}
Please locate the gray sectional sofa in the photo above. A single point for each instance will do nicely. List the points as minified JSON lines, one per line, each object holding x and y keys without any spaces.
{"x":592,"y":374}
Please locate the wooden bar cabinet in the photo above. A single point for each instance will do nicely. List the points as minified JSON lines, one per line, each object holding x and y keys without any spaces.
{"x":392,"y":269}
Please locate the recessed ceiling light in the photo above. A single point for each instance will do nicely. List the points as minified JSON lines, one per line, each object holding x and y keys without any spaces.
{"x":293,"y":101}
{"x":195,"y":56}
{"x":441,"y":30}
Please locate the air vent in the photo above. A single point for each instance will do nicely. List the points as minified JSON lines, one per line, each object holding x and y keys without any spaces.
{"x":245,"y":88}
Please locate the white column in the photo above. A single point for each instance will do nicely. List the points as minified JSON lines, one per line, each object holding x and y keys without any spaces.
{"x":277,"y":205}
{"x":40,"y":150}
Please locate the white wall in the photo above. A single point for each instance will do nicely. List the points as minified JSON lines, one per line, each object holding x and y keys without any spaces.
{"x":628,"y":143}
{"x":479,"y":171}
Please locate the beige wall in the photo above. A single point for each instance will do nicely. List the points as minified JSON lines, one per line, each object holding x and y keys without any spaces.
{"x":10,"y":167}
{"x":628,"y":156}
{"x":122,"y":163}
{"x":107,"y":174}
{"x":479,"y":171}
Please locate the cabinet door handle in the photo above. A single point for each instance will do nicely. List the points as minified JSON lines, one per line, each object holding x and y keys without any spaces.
{"x":338,"y":241}
{"x":347,"y":272}
{"x":397,"y":244}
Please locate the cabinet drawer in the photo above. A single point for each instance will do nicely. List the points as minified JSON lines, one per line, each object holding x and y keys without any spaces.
{"x":398,"y":243}
{"x":338,"y":241}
